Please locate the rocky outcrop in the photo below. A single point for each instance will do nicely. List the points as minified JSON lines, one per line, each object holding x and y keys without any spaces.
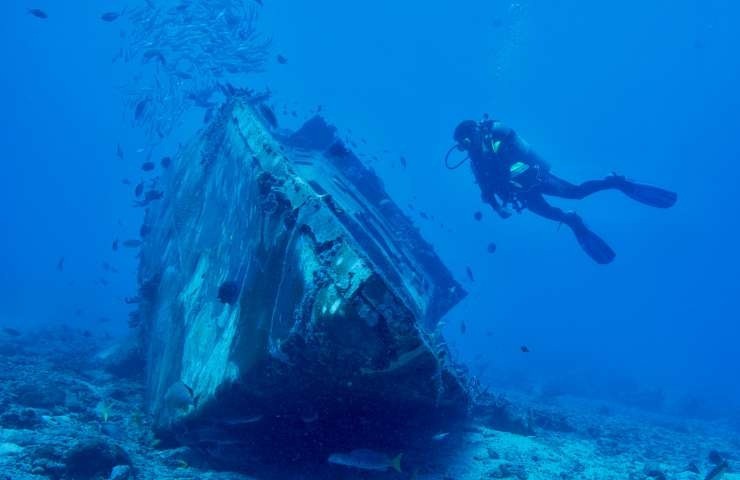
{"x":281,"y":286}
{"x":92,"y":458}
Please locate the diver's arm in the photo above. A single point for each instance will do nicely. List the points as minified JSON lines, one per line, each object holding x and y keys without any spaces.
{"x":490,"y":198}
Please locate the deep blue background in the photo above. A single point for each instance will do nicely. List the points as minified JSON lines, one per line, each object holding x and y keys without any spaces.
{"x":648,"y":89}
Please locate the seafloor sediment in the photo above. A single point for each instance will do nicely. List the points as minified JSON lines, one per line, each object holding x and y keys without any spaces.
{"x":62,"y":416}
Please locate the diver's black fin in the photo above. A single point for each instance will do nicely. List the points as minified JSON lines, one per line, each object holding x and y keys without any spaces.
{"x":649,"y":194}
{"x":592,"y":244}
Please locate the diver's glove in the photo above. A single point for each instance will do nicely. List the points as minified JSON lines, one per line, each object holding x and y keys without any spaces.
{"x":503,"y":212}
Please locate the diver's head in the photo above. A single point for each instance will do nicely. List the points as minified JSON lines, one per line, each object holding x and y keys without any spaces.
{"x":466,"y":134}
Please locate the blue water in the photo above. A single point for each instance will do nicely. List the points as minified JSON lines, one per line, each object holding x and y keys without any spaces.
{"x":647,"y":89}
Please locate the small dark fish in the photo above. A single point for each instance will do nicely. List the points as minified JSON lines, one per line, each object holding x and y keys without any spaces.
{"x":126,"y":181}
{"x":114,"y":245}
{"x":145,"y":230}
{"x":60,"y":264}
{"x":478,"y":216}
{"x":463,"y":327}
{"x":183,"y":75}
{"x":154,"y":54}
{"x":131,"y":300}
{"x":259,"y":2}
{"x":139,"y":189}
{"x":38,"y":13}
{"x":103,"y":282}
{"x":110,"y":16}
{"x":140,"y":108}
{"x":524,"y":349}
{"x":109,"y":268}
{"x":166,"y":162}
{"x":282,"y":60}
{"x":148,"y":166}
{"x":11,"y":332}
{"x":86,"y":333}
{"x":202,"y":97}
{"x":119,"y":151}
{"x":132,"y":243}
{"x":403,"y":161}
{"x":424,"y":215}
{"x":228,"y":292}
{"x":469,"y":271}
{"x":491,"y":248}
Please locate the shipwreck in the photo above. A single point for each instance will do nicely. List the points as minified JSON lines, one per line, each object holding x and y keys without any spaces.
{"x":286,"y":299}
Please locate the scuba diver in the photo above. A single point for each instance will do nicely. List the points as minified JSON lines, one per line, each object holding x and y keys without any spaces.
{"x":509,"y":172}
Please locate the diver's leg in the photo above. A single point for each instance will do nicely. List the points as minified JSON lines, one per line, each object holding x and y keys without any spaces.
{"x":591,"y":243}
{"x":537,"y":204}
{"x":557,"y":187}
{"x":645,"y":194}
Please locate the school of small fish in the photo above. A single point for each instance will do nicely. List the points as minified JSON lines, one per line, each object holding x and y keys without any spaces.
{"x":189,"y":49}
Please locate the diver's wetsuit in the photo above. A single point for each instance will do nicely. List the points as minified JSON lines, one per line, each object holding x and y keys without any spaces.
{"x":557,"y":187}
{"x":499,"y":149}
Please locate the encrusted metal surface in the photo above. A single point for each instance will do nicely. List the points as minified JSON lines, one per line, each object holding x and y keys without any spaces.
{"x":337,"y":296}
